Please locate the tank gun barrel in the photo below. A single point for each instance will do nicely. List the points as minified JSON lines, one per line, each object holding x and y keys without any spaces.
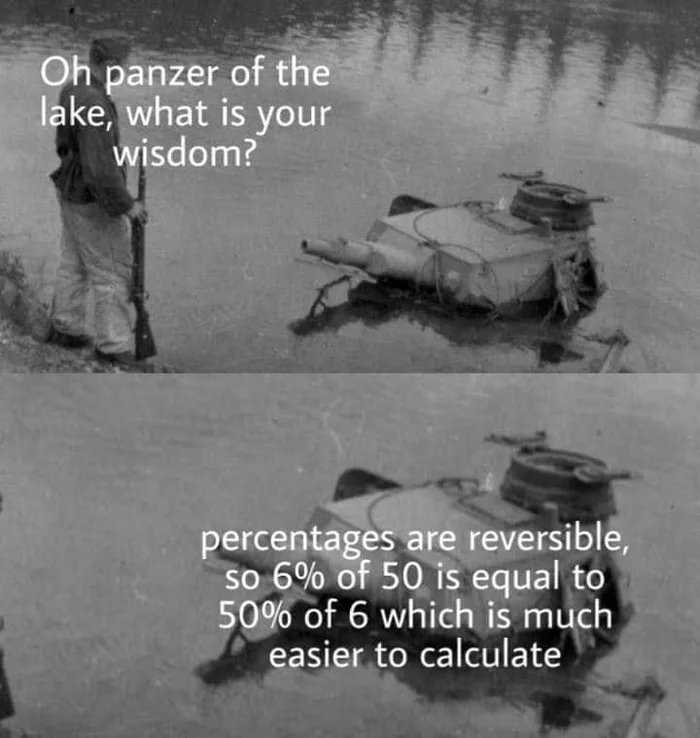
{"x":379,"y":260}
{"x":339,"y":251}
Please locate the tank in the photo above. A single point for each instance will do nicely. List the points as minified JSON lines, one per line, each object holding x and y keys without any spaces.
{"x":543,"y":491}
{"x":536,"y":253}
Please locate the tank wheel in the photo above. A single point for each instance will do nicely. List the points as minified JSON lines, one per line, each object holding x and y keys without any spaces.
{"x":358,"y":482}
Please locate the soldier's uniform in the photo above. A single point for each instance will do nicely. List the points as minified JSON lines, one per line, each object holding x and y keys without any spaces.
{"x":95,"y":242}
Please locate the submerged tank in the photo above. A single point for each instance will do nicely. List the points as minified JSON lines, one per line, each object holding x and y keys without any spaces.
{"x":543,"y":491}
{"x":546,"y":494}
{"x":481,"y":254}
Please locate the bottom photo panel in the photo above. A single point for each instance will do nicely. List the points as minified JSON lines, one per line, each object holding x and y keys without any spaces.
{"x":376,"y":555}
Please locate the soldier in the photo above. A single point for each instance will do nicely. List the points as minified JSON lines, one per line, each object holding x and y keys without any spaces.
{"x":96,"y":209}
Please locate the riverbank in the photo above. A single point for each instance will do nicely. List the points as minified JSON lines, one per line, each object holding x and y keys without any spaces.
{"x":13,"y":732}
{"x":25,"y":326}
{"x":21,"y":354}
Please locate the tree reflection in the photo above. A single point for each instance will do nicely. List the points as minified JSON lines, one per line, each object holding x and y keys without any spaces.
{"x":666,"y":34}
{"x":422,"y":20}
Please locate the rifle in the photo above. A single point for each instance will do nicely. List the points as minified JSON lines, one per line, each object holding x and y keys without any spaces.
{"x":144,"y":343}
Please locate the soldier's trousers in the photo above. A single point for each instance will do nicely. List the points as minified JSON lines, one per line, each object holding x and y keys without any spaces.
{"x":95,"y":253}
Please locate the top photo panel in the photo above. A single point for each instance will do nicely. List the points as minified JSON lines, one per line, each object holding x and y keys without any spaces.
{"x":349,"y":186}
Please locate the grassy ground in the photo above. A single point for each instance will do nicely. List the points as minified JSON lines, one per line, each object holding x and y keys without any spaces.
{"x":24,"y":324}
{"x":20,"y":353}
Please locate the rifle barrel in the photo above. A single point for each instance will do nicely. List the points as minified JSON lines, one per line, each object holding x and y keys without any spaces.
{"x":142,"y":180}
{"x":145,"y":346}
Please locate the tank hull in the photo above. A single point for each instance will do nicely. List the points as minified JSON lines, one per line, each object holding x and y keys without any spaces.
{"x":463,"y":511}
{"x":531,"y":498}
{"x":535,"y":580}
{"x":477,"y":258}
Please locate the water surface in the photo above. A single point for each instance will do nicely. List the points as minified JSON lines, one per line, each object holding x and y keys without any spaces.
{"x":108,"y":610}
{"x":434,"y":98}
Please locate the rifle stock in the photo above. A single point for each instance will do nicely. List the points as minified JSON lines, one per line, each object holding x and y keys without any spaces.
{"x":144,"y":343}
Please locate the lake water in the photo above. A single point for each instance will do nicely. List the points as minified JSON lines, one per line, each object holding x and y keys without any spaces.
{"x":108,"y":611}
{"x":430,"y":97}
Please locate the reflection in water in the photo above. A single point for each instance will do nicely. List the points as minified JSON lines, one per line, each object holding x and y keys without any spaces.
{"x":548,"y":343}
{"x":559,"y":699}
{"x":422,"y":19}
{"x":666,"y":33}
{"x":559,"y":32}
{"x":662,"y":54}
{"x":513,"y":31}
{"x":616,"y":47}
{"x":478,"y":22}
{"x":385,"y":12}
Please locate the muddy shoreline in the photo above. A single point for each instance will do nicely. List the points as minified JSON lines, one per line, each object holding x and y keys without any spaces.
{"x":21,"y":354}
{"x":25,"y":326}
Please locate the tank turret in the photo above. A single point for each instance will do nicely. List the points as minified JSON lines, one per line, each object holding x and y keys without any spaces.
{"x":564,"y":207}
{"x":578,"y":485}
